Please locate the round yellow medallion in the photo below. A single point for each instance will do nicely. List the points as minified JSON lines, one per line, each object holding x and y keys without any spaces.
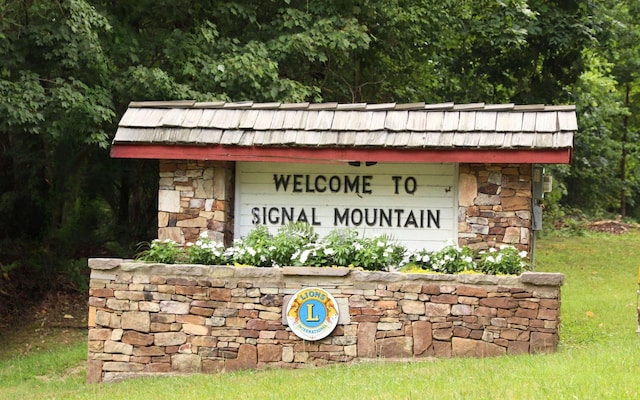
{"x":312,"y":313}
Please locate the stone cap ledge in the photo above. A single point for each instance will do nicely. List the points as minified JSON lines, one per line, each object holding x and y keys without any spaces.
{"x":105,"y":263}
{"x":225,"y":271}
{"x":316,"y":271}
{"x":542,"y":278}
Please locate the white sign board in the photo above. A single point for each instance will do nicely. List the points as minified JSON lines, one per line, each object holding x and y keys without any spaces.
{"x":413,"y":203}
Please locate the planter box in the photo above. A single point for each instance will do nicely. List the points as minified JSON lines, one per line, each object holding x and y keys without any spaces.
{"x":148,"y":319}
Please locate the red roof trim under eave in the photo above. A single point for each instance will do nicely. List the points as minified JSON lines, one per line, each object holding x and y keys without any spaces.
{"x":333,"y":155}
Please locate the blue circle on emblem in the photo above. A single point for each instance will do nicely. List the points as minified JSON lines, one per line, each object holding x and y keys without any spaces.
{"x":312,"y":313}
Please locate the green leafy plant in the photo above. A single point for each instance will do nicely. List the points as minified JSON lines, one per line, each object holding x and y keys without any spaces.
{"x":449,"y":260}
{"x":165,"y":251}
{"x":205,"y":251}
{"x":289,"y":239}
{"x":505,"y":261}
{"x":378,"y":253}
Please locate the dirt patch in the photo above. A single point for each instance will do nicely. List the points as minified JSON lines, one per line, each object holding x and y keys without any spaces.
{"x":60,"y":317}
{"x":614,"y":227}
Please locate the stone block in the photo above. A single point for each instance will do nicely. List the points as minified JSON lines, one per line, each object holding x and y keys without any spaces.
{"x":171,"y":233}
{"x":445,"y":299}
{"x":94,"y":371}
{"x":198,"y":222}
{"x":170,"y":338}
{"x":389,"y":326}
{"x":137,"y":338}
{"x":442,"y":349}
{"x":193,"y":329}
{"x":460,"y":309}
{"x":461,"y":331}
{"x":422,"y":337}
{"x":247,"y":358}
{"x":148,"y":351}
{"x":461,"y":347}
{"x":516,"y":203}
{"x":412,"y":307}
{"x":467,"y":189}
{"x":118,"y":305}
{"x":437,"y":310}
{"x":136,"y":320}
{"x":550,"y":315}
{"x":367,"y":339}
{"x":169,"y":201}
{"x":487,"y":199}
{"x":269,"y":352}
{"x":542,"y":278}
{"x":499,"y":302}
{"x":396,"y":347}
{"x":186,"y":363}
{"x":120,"y":366}
{"x":99,"y":334}
{"x":517,"y":347}
{"x":174,"y":307}
{"x":443,"y":334}
{"x":212,"y":366}
{"x":118,"y":347}
{"x":220,"y":294}
{"x":542,"y":342}
{"x":511,"y":235}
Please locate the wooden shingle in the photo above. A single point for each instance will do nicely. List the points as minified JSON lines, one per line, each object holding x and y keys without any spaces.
{"x":361,"y":125}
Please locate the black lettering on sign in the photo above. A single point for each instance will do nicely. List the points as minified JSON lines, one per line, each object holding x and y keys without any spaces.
{"x":298,"y":183}
{"x":410,"y":184}
{"x":283,"y":215}
{"x":386,"y":218}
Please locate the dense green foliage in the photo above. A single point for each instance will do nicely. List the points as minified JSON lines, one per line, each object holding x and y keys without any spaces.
{"x":69,"y":68}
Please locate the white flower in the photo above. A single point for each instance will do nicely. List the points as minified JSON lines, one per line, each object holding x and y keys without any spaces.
{"x":251,"y":251}
{"x":204,"y":235}
{"x":523,"y":254}
{"x":357,"y":246}
{"x":492,"y":250}
{"x":189,"y":244}
{"x":380,"y":243}
{"x":199,"y":243}
{"x":491,"y":260}
{"x":467,"y":259}
{"x":304,"y":256}
{"x":329,"y":251}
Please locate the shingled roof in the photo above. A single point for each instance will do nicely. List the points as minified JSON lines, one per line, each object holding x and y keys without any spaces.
{"x":327,"y":132}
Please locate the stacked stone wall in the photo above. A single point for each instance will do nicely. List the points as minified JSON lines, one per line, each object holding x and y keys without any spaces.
{"x":195,"y":197}
{"x":147,"y":319}
{"x":495,"y":205}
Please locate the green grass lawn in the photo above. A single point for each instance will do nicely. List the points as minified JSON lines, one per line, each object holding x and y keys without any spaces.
{"x":598,"y":357}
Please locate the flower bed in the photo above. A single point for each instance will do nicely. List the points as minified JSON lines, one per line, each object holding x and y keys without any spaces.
{"x":297,"y":244}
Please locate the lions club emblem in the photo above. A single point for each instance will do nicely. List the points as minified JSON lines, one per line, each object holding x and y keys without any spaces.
{"x":312,"y":313}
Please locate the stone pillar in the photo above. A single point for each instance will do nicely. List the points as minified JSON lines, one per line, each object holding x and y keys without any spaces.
{"x":494,"y":205}
{"x":195,"y":197}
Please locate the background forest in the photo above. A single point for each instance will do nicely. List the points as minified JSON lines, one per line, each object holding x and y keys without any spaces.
{"x":68,"y":69}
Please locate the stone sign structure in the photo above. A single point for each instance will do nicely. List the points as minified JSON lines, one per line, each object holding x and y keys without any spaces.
{"x":424,"y":173}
